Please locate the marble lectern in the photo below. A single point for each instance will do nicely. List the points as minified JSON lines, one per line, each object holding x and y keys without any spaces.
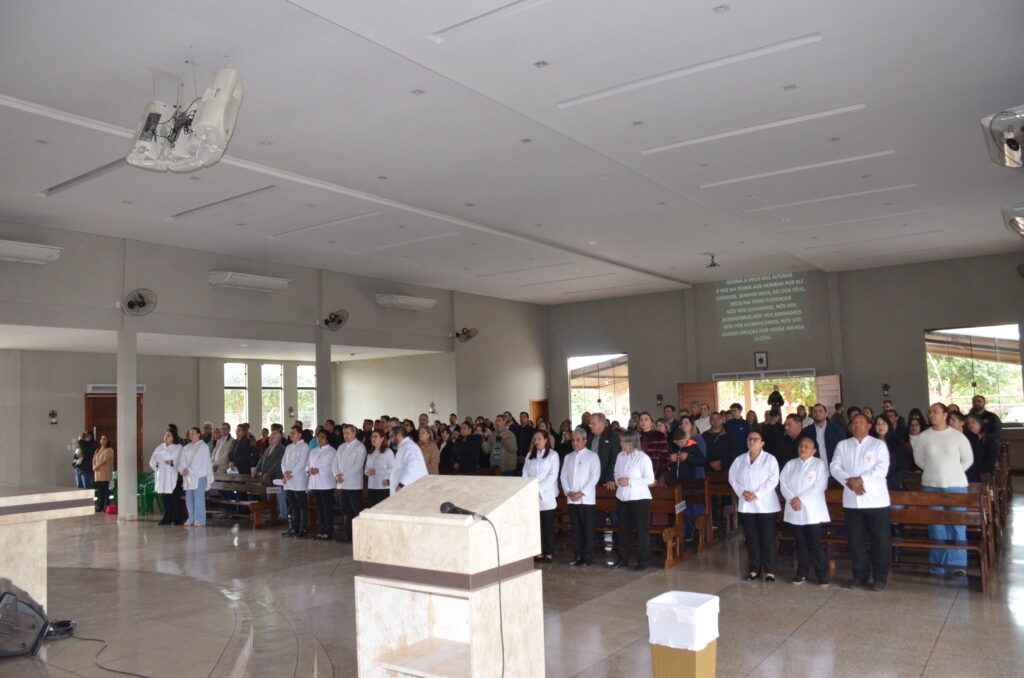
{"x":427,"y":599}
{"x":23,"y":515}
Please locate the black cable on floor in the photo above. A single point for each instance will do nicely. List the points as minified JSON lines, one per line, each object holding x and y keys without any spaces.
{"x":96,"y":659}
{"x":501,"y":613}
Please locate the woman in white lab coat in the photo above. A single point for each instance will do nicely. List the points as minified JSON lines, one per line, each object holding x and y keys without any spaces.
{"x":542,"y":463}
{"x":803,"y":482}
{"x":320,"y":467}
{"x":633,"y":475}
{"x":195,"y":467}
{"x":754,"y":477}
{"x":379,"y":462}
{"x":164,"y":462}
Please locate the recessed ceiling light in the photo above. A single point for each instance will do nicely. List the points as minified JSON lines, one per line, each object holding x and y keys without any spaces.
{"x":541,"y":64}
{"x":604,"y":177}
{"x":266,"y":142}
{"x":382,"y":177}
{"x":888,"y":204}
{"x":332,"y":242}
{"x":865,"y":176}
{"x":42,"y":141}
{"x":243,"y":345}
{"x":240,"y":223}
{"x":525,"y":141}
{"x":834,"y":139}
{"x":126,"y":202}
{"x":592,"y":242}
{"x":637,"y":123}
{"x":471,"y":204}
{"x":466,"y":268}
{"x":661,"y":202}
{"x":194,"y":178}
{"x":704,"y":164}
{"x":310,"y":204}
{"x":472,"y":244}
{"x":538,"y":225}
{"x":401,"y":226}
{"x":417,"y":92}
{"x":719,"y":9}
{"x":788,"y":88}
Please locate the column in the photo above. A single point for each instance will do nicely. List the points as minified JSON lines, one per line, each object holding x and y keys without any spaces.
{"x":324,"y":381}
{"x":127,"y":420}
{"x":835,"y":322}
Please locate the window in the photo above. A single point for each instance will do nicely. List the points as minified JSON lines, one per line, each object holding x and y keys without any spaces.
{"x":272,"y":395}
{"x":236,"y":402}
{"x":600,"y":383}
{"x":968,"y":361}
{"x":753,"y":394}
{"x":306,"y":381}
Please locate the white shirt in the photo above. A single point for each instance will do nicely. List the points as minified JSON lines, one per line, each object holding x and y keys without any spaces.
{"x":702,"y":424}
{"x":943,"y":456}
{"x":807,"y":481}
{"x":545,"y":470}
{"x":409,"y":465}
{"x":580,"y":473}
{"x":165,"y":474}
{"x":350,"y":462}
{"x":381,"y":463}
{"x":637,"y":467}
{"x":819,"y":433}
{"x":321,"y":459}
{"x":760,"y":477}
{"x":295,"y":457}
{"x":868,"y":459}
{"x":194,"y":458}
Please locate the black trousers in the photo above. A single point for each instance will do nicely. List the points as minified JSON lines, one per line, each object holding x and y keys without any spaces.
{"x":759,"y":533}
{"x":872,"y":523}
{"x":102,"y":493}
{"x":324,"y":500}
{"x":351,"y":505}
{"x":581,"y":520}
{"x":634,"y":515}
{"x":547,"y":533}
{"x":810,"y":551}
{"x":298,"y":508}
{"x":377,"y":496}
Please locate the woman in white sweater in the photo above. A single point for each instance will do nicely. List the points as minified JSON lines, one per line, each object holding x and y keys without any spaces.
{"x":944,"y":456}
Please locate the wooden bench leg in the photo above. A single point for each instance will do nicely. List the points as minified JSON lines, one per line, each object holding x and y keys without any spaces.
{"x":257,"y":514}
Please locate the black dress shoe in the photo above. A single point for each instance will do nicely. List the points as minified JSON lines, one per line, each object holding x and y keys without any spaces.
{"x":538,"y":559}
{"x":618,"y":564}
{"x":858,"y":584}
{"x":797,"y":580}
{"x":751,"y":576}
{"x":576,"y":562}
{"x":878,"y":586}
{"x":586,"y":563}
{"x":301,"y":535}
{"x":769,"y":578}
{"x":640,"y":568}
{"x":289,"y":533}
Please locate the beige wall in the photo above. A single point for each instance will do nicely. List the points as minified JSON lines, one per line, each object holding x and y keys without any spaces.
{"x":402,"y":387}
{"x":52,"y":380}
{"x":504,"y":367}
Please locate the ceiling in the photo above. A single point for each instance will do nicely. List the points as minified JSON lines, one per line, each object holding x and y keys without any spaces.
{"x":105,"y":341}
{"x":537,"y":150}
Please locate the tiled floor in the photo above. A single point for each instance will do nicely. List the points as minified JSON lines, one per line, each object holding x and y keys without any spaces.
{"x":228,"y":601}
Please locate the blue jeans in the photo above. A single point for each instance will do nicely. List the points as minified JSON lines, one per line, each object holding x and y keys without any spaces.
{"x":83,"y":481}
{"x":950,"y":558}
{"x":195,"y":502}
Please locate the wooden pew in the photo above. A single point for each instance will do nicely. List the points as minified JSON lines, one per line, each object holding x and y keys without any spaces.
{"x":244,"y":485}
{"x":664,"y":500}
{"x":697,"y":493}
{"x":720,"y":487}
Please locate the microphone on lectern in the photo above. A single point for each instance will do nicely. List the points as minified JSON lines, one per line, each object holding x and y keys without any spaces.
{"x":449,"y":507}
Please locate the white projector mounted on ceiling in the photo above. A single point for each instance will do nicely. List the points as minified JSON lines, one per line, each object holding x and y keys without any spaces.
{"x":1004,"y":134}
{"x":247,"y":281}
{"x":186,"y":137}
{"x":403,"y":302}
{"x":28,"y":253}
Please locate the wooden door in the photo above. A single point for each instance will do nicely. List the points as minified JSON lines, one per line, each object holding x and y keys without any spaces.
{"x":701,"y":391}
{"x":101,"y":418}
{"x":830,"y":390}
{"x":539,"y":408}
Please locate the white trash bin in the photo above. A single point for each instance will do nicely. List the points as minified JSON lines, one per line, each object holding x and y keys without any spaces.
{"x":684,"y":634}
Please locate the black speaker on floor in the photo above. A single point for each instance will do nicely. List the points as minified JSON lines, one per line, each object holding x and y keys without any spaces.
{"x":22,"y":624}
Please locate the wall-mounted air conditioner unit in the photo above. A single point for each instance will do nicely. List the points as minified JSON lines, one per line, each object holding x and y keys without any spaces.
{"x":247,"y":281}
{"x":403,"y":302}
{"x":110,"y":389}
{"x":29,"y":253}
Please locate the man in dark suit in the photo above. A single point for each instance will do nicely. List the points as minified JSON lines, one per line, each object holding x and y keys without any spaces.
{"x":784,"y":447}
{"x":606,"y":445}
{"x":824,"y":432}
{"x":524,"y":436}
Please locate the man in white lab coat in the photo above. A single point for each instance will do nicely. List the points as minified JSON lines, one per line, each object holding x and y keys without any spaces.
{"x":409,"y":464}
{"x":293,"y":467}
{"x":349,"y":465}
